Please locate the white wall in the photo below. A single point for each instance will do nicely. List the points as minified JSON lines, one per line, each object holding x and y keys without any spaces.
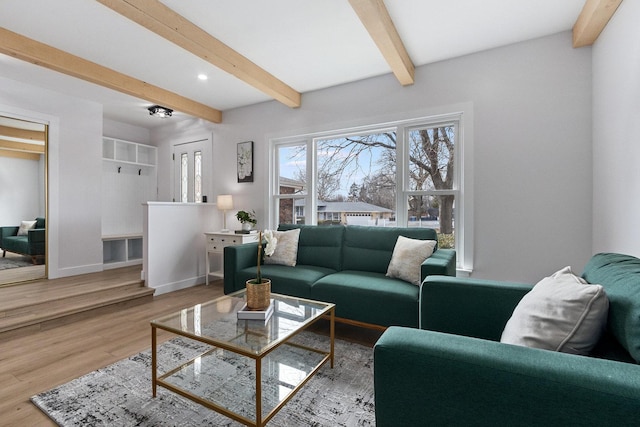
{"x":21,"y":190}
{"x":616,"y":133}
{"x":532,"y":146}
{"x":126,"y":131}
{"x":75,"y":136}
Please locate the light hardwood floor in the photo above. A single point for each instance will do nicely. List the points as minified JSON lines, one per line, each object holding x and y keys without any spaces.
{"x":32,"y":361}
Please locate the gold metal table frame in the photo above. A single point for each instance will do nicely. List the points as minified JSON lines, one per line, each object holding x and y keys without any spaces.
{"x":215,"y":323}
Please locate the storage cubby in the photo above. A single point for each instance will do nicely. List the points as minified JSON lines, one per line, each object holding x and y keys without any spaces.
{"x":134,"y":248}
{"x":121,"y":251}
{"x":113,"y":251}
{"x":128,"y":152}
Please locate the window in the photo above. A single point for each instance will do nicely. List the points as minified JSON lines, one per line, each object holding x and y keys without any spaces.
{"x":405,"y":174}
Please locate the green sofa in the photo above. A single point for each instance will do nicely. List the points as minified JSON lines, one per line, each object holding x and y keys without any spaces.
{"x":33,"y":244}
{"x":345,"y":265}
{"x":454,"y":371}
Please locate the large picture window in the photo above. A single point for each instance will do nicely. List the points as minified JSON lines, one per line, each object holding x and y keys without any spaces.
{"x":405,"y":174}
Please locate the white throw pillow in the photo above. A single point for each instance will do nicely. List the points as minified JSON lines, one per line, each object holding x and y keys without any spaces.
{"x":561,"y":313}
{"x":408,"y":256}
{"x":25,"y":226}
{"x":286,"y":252}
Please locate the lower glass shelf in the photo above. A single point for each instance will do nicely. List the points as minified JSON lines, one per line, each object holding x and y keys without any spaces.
{"x":227,"y":381}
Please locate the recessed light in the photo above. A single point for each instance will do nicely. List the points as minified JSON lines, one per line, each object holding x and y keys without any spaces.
{"x":202,"y":76}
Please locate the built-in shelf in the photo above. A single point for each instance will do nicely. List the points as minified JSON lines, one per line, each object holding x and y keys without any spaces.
{"x":118,"y":150}
{"x":121,"y":251}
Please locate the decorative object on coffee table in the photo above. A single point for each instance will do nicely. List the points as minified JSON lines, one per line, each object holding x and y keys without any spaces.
{"x":259,"y":289}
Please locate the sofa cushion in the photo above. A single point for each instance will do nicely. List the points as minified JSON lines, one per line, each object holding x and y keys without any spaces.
{"x":40,"y":222}
{"x":620,"y":276}
{"x":295,"y":281}
{"x":286,"y":250}
{"x":25,"y":226}
{"x":17,"y":244}
{"x":407,"y":258}
{"x":561,"y":313}
{"x":371,"y":248}
{"x":319,"y":245}
{"x":369,"y":297}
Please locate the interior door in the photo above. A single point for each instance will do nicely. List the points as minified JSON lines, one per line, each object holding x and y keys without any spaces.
{"x":192,"y":170}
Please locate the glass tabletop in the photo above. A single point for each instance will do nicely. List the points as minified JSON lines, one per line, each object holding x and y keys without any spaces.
{"x":216,"y":322}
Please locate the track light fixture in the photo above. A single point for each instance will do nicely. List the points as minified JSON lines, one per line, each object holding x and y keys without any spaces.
{"x":159,"y":111}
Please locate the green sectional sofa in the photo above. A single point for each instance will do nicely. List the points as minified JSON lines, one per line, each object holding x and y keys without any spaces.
{"x":32,"y":244}
{"x":345,"y":265}
{"x":455,"y":371}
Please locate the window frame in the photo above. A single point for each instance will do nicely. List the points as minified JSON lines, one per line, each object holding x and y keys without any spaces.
{"x":462,"y":190}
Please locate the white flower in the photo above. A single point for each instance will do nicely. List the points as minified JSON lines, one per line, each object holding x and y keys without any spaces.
{"x":272,"y":241}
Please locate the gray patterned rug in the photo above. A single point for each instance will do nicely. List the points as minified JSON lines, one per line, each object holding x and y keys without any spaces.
{"x":120,"y":394}
{"x":14,"y":261}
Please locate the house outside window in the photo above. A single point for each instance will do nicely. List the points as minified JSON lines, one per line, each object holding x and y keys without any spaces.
{"x":403,"y":174}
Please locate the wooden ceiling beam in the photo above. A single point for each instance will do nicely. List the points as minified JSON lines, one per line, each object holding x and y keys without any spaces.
{"x":165,"y":22}
{"x":30,"y":50}
{"x":19,"y":155}
{"x":21,"y":146}
{"x":375,"y":17}
{"x":592,"y":19}
{"x":33,"y":135}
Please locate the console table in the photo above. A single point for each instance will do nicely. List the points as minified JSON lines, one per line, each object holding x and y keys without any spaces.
{"x":216,"y":242}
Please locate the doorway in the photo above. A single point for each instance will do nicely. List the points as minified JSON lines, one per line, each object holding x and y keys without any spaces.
{"x":192,"y":171}
{"x":23,"y":172}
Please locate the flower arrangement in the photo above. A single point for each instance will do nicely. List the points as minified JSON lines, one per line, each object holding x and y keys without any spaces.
{"x":269,"y":249}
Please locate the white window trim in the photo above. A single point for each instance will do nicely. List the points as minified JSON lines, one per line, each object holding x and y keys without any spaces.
{"x":461,"y":113}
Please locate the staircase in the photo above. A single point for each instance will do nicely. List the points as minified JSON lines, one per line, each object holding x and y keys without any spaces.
{"x":41,"y":304}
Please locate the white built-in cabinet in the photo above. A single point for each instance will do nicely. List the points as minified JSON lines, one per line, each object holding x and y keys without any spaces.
{"x":129,"y":179}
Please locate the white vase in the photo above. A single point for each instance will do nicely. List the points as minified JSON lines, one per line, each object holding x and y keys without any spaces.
{"x":246,"y":226}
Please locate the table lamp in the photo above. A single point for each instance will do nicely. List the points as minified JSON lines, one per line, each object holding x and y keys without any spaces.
{"x":224,"y":203}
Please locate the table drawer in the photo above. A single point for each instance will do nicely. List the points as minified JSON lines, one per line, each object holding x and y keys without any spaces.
{"x":217,"y":243}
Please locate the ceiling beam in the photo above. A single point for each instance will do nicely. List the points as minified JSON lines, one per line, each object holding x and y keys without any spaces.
{"x":375,"y":17}
{"x":165,"y":22}
{"x":19,"y":155}
{"x":594,"y":17}
{"x":33,"y":135}
{"x":30,"y":50}
{"x":21,"y":146}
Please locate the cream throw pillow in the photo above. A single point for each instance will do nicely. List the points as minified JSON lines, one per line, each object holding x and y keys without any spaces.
{"x":286,"y":252}
{"x":561,"y":313}
{"x":25,"y":226}
{"x":408,"y":256}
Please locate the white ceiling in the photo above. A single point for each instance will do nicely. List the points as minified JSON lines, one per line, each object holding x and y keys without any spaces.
{"x":308,"y":44}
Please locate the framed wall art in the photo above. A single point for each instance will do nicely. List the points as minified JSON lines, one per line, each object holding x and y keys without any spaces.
{"x":245,"y":161}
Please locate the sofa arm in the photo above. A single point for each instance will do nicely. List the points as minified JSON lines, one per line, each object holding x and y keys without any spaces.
{"x":8,"y":231}
{"x":237,"y":258}
{"x":471,"y":307}
{"x":430,"y":378}
{"x":441,"y":262}
{"x":36,"y":236}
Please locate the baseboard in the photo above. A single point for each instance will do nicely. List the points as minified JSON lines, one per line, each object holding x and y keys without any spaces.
{"x":176,"y":286}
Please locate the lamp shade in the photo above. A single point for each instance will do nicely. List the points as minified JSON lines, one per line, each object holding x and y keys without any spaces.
{"x":225,"y":202}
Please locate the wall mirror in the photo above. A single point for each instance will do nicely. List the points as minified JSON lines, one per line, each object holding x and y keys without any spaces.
{"x":23,"y":172}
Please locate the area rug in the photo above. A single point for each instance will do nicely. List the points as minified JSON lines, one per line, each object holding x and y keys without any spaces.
{"x":120,"y":394}
{"x":8,"y":261}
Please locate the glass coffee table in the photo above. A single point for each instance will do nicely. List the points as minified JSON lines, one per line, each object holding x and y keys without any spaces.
{"x":249,"y":369}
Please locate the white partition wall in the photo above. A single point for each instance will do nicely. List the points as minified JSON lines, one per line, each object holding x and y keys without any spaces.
{"x":174,"y":243}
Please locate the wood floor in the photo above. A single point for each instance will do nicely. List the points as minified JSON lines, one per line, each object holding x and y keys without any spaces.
{"x":35,"y":359}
